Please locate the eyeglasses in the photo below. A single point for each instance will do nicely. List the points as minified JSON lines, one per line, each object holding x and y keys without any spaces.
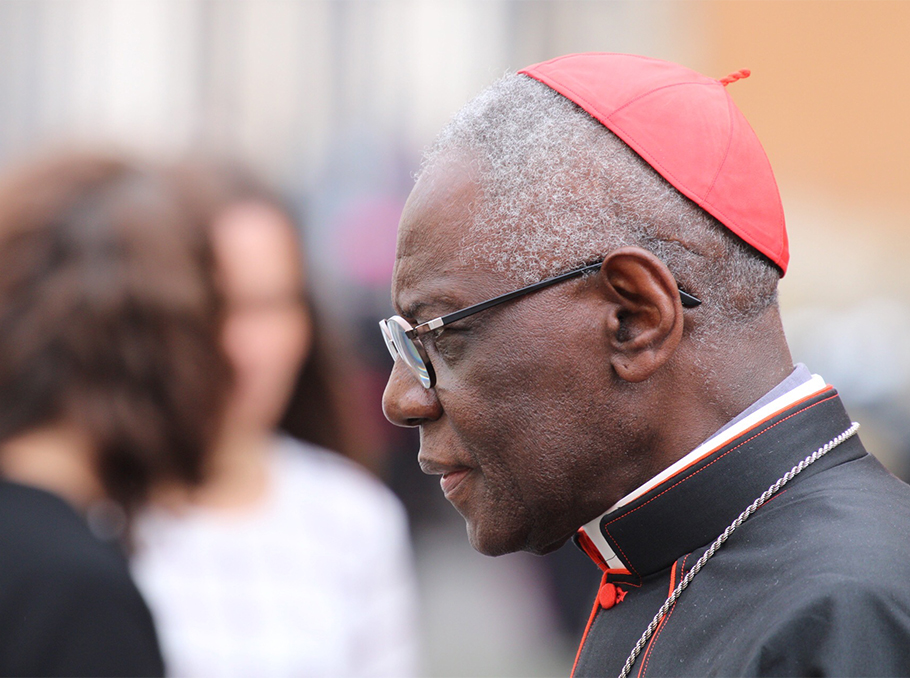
{"x":403,"y":340}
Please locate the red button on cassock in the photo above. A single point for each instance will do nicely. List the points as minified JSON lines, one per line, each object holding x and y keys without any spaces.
{"x":609,"y":595}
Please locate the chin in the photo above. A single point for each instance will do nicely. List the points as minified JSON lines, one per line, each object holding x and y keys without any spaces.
{"x":501,"y":542}
{"x":542,"y":550}
{"x":493,"y":542}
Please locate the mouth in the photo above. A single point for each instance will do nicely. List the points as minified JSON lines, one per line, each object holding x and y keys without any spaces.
{"x":452,"y":475}
{"x":450,"y":481}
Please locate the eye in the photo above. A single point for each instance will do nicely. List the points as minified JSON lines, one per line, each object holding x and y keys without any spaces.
{"x":451,"y":342}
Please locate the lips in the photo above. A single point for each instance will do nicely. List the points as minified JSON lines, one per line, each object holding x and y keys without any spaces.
{"x":451,"y":480}
{"x":453,"y":474}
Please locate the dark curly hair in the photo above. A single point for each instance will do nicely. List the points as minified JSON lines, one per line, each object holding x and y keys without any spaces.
{"x":110,"y":319}
{"x":319,"y":410}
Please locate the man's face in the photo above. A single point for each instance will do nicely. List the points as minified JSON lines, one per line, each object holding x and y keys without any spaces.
{"x":516,"y":423}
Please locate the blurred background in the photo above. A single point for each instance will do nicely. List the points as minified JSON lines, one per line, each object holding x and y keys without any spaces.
{"x":332,"y":101}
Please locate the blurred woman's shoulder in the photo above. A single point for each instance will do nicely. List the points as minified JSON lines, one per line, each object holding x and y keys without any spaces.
{"x":326,"y":480}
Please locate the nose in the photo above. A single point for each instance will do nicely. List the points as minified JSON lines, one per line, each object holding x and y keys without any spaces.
{"x":406,"y":402}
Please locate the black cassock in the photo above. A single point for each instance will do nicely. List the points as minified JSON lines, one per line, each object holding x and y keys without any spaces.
{"x":815,"y":583}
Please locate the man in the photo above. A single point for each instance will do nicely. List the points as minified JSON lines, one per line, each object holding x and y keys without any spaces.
{"x":645,"y":402}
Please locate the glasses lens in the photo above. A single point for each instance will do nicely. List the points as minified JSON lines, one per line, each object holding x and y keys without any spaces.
{"x":408,"y":352}
{"x":387,"y":337}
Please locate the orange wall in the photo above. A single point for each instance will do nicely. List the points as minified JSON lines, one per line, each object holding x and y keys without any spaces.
{"x":830,"y":90}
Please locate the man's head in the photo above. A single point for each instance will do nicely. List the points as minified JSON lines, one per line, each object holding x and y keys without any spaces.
{"x":549,"y":408}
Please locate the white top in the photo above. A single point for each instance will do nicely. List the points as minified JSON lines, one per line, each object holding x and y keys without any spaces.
{"x":318,"y":581}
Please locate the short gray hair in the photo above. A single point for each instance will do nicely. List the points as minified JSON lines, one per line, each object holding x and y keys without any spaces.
{"x":559,"y":190}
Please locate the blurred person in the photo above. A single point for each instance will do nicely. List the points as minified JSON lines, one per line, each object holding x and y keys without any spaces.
{"x":290,"y":559}
{"x":590,"y":344}
{"x":108,"y":315}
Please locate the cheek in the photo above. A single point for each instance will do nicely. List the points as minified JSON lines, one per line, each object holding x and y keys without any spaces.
{"x":523,"y":413}
{"x":491,"y":423}
{"x":266,"y":350}
{"x":527,"y":397}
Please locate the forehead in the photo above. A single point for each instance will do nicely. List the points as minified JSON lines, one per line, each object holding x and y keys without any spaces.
{"x":256,"y":249}
{"x":432,"y":269}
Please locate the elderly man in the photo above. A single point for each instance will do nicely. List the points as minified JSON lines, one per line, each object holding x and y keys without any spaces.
{"x":589,"y":340}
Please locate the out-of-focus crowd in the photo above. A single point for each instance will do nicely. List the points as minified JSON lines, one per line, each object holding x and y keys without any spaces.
{"x":168,"y":395}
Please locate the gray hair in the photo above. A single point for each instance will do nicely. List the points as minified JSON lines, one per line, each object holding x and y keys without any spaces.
{"x":559,"y":190}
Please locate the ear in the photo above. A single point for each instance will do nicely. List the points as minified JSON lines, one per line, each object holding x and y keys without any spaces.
{"x":645,"y":321}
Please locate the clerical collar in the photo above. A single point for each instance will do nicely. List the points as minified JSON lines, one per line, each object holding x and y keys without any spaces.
{"x":800,"y":386}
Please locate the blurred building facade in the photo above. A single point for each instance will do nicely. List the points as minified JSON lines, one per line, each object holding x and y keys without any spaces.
{"x":333,"y":100}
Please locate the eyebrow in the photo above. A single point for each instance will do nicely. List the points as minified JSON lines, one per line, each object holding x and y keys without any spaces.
{"x":439,"y":305}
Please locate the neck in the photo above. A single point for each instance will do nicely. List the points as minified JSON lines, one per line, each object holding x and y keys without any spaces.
{"x":237,"y":477}
{"x":58,"y":459}
{"x":721,"y":379}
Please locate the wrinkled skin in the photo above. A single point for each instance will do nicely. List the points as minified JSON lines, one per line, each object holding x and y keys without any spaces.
{"x":551,"y":407}
{"x":547,"y":409}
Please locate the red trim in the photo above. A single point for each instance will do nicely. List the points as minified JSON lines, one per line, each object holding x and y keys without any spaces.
{"x":586,"y":543}
{"x":647,"y":653}
{"x":621,"y":571}
{"x":628,"y":513}
{"x":625,"y":557}
{"x":584,"y":636}
{"x":756,"y":425}
{"x":593,"y":552}
{"x":590,"y":549}
{"x":660,"y":627}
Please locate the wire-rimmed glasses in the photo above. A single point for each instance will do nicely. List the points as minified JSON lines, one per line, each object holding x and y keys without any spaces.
{"x":404,"y":342}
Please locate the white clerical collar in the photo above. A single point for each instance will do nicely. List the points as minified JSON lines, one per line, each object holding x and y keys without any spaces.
{"x":815,"y":384}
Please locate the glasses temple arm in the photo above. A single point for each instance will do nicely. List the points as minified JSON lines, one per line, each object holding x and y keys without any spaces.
{"x":688,"y":300}
{"x":495,"y":301}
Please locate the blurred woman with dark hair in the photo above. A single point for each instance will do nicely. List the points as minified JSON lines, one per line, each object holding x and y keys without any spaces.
{"x":289,"y":560}
{"x":111,"y":383}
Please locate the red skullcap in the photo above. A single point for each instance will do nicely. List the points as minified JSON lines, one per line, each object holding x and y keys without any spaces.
{"x":686,"y":127}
